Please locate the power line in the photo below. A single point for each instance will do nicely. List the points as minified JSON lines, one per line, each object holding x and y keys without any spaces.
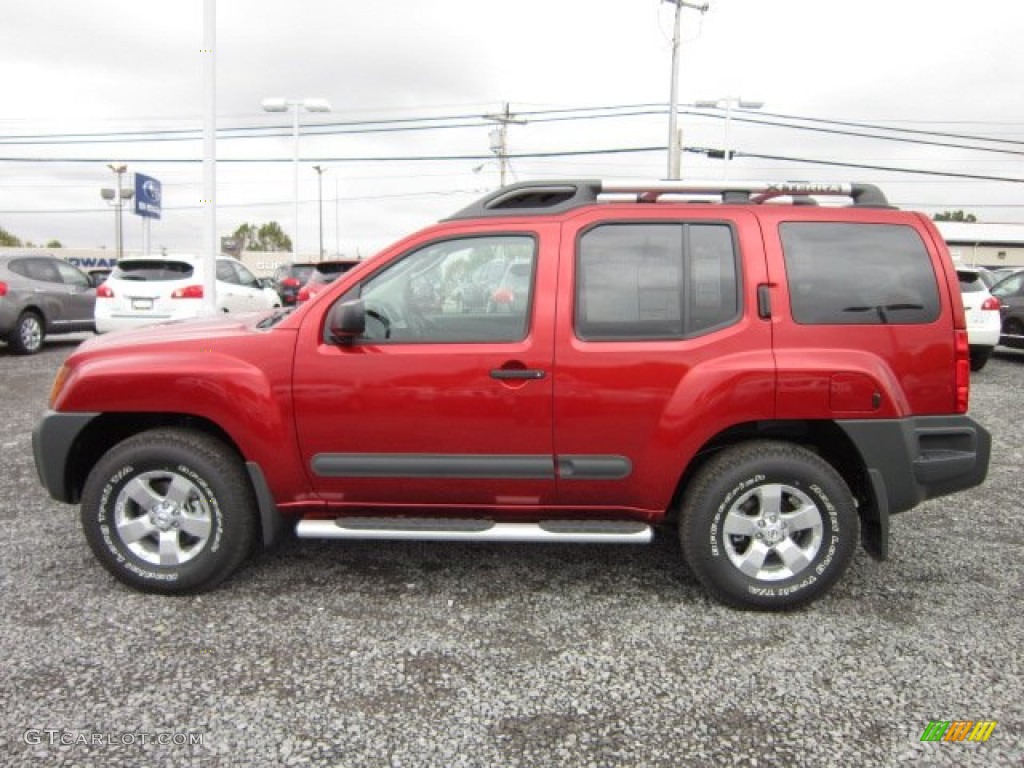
{"x":881,"y":137}
{"x":868,"y":167}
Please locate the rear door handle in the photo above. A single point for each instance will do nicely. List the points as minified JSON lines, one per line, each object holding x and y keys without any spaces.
{"x":507,"y":374}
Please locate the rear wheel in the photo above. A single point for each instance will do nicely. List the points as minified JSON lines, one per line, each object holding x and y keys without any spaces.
{"x":169,"y":510}
{"x":1013,"y":334}
{"x":27,"y":336}
{"x":979,"y":357}
{"x":768,"y":526}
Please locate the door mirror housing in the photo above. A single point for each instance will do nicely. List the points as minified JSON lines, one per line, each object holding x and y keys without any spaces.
{"x":346,"y":321}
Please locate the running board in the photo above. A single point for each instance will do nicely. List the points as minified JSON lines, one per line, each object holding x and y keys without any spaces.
{"x":432,"y":529}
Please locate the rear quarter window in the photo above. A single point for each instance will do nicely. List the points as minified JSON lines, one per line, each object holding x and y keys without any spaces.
{"x":858,"y":274}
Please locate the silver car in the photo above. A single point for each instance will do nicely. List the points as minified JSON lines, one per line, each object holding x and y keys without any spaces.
{"x":40,"y":295}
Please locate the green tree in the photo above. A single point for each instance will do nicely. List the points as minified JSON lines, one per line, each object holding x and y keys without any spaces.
{"x":956,"y":216}
{"x":55,"y":244}
{"x":266,"y":237}
{"x":8,"y":240}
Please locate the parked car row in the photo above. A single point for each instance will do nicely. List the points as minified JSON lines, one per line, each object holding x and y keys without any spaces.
{"x":149,"y":289}
{"x":44,"y":295}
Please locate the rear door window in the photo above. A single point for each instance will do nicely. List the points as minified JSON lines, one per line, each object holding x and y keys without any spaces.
{"x":650,"y":281}
{"x":858,"y":274}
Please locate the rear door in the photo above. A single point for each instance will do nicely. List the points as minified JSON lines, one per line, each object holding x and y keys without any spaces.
{"x":438,"y":404}
{"x":659,"y":347}
{"x":79,"y":299}
{"x":232,"y":296}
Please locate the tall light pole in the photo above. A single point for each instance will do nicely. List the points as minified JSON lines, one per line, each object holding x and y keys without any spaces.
{"x":729,"y":102}
{"x":118,"y":196}
{"x":674,"y":147}
{"x":320,"y":204}
{"x":211,"y":248}
{"x":296,"y":105}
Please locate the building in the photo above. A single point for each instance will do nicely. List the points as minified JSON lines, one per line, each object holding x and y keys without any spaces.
{"x":985,"y":245}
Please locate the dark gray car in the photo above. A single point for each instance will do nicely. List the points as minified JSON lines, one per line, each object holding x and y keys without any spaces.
{"x":40,"y":295}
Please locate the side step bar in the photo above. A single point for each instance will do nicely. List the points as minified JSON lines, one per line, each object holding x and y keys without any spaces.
{"x":433,"y":529}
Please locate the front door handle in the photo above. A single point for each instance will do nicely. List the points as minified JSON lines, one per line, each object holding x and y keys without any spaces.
{"x":509,"y":374}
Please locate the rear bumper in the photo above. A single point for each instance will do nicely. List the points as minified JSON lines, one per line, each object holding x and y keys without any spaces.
{"x":911,"y":460}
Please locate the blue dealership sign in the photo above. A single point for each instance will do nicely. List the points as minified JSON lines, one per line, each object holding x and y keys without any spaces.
{"x":148,"y":196}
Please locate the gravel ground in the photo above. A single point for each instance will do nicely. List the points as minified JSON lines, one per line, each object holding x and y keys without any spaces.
{"x":509,"y":655}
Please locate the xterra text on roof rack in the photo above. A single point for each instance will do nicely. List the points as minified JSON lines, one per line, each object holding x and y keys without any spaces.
{"x":569,"y":361}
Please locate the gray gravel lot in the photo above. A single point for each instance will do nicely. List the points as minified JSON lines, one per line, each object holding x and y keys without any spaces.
{"x":397,"y":654}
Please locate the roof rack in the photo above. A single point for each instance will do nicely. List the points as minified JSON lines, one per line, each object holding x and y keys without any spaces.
{"x":549,"y":197}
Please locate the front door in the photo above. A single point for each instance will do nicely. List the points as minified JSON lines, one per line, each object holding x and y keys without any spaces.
{"x":442,"y":402}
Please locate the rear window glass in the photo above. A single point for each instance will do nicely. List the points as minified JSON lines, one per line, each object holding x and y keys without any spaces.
{"x":970,"y":282}
{"x":858,"y":274}
{"x":302,"y":273}
{"x":152,"y":270}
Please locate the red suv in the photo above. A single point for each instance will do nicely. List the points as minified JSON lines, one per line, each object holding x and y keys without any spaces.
{"x":774,"y":380}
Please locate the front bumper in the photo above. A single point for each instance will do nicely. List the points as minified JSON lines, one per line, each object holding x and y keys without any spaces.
{"x":54,"y":440}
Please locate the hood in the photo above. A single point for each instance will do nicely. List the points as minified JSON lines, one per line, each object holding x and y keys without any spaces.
{"x":206,"y":329}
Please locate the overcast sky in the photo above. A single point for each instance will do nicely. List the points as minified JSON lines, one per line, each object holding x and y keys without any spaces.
{"x":107,"y":66}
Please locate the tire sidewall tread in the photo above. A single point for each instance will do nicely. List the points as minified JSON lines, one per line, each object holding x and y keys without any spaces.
{"x":738,"y":469}
{"x":210,"y":465}
{"x":14,"y":340}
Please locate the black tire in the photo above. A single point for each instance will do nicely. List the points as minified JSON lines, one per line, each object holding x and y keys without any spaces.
{"x":979,"y":357}
{"x":754,"y":501}
{"x":170,"y":510}
{"x":1011,"y":335}
{"x":26,"y":338}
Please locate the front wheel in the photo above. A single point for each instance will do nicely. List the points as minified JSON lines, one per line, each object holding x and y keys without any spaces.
{"x":169,"y":510}
{"x":768,"y":526}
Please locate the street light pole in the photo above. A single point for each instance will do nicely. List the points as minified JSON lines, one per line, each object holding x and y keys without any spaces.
{"x":320,"y":204}
{"x":729,"y":102}
{"x":674,"y":145}
{"x":118,"y":196}
{"x":295,"y":105}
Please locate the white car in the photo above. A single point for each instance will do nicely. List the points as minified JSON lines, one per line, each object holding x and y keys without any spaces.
{"x":982,"y":310}
{"x":152,"y":289}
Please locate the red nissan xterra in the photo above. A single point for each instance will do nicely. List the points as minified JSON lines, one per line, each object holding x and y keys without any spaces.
{"x":767,"y":372}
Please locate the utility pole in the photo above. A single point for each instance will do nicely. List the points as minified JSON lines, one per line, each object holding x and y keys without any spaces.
{"x":499,"y":138}
{"x":674,"y":145}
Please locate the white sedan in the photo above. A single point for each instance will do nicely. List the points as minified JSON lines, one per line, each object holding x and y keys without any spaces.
{"x":151,"y":289}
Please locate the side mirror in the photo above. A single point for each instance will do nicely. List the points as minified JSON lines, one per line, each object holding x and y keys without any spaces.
{"x":346,"y":321}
